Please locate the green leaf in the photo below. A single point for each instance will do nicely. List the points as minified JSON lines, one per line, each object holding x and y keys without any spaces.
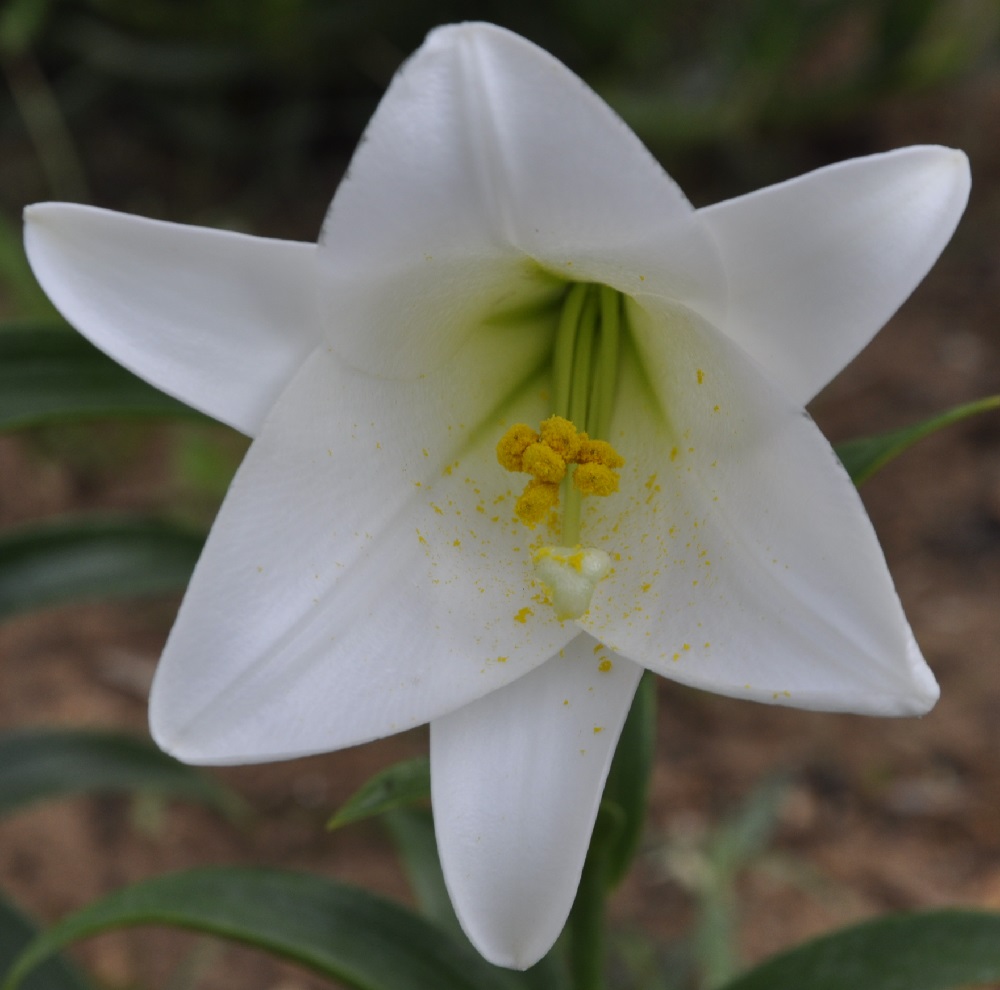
{"x":400,"y":786}
{"x":936,"y":950}
{"x":745,"y":834}
{"x":89,"y":558}
{"x":412,"y":832}
{"x":17,"y":931}
{"x":37,"y":764}
{"x":866,"y":455}
{"x":336,"y":931}
{"x":628,"y":781}
{"x":733,"y":846}
{"x":52,"y":375}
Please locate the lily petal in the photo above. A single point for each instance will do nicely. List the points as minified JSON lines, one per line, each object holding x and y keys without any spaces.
{"x":220,"y":320}
{"x":816,"y":265}
{"x":488,"y":160}
{"x":516,"y":780}
{"x":747,"y":563}
{"x":361,"y":577}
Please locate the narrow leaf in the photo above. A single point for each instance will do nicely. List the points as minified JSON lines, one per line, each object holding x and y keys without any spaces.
{"x":336,"y":931}
{"x":628,"y":782}
{"x":401,"y":785}
{"x":17,"y":931}
{"x":89,"y":558}
{"x":36,"y":764}
{"x":866,"y":455}
{"x":412,"y":832}
{"x":936,"y":950}
{"x":49,"y":374}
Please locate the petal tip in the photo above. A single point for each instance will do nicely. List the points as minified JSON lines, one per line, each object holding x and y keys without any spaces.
{"x":924,"y":691}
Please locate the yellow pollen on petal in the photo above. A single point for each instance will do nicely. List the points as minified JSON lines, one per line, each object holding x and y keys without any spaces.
{"x":605,"y":665}
{"x":522,"y":615}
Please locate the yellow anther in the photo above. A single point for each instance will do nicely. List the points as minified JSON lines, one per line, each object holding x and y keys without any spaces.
{"x":544,"y":463}
{"x":599,"y":452}
{"x":546,"y":456}
{"x":561,"y":436}
{"x":513,"y":444}
{"x":595,"y":479}
{"x":539,"y":497}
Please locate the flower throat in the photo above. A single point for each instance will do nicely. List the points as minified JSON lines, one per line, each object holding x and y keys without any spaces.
{"x":569,"y":456}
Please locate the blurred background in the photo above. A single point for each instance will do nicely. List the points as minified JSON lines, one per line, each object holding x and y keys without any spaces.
{"x":765,"y":825}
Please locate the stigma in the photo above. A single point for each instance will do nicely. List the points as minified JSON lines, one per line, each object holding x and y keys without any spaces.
{"x":570,"y":575}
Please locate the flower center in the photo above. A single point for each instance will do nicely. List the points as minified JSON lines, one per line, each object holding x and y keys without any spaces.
{"x":568,"y":457}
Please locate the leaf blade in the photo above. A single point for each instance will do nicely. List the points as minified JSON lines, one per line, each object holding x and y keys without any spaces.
{"x":16,"y":932}
{"x":39,"y":764}
{"x":934,"y":950}
{"x":334,"y":930}
{"x":51,"y":375}
{"x":87,"y":558}
{"x":400,"y":786}
{"x":866,"y":455}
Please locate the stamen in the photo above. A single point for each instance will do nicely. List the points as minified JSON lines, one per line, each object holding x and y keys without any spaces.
{"x":568,"y":456}
{"x":513,"y":444}
{"x":536,"y":501}
{"x":546,"y":456}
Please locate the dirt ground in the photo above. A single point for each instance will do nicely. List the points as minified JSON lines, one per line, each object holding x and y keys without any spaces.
{"x":880,"y":815}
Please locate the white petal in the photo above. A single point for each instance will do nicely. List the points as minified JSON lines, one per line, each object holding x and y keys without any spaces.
{"x":516,"y":781}
{"x":488,"y":158}
{"x":365,"y":573}
{"x":219,"y":320}
{"x":818,"y":264}
{"x":746,"y":565}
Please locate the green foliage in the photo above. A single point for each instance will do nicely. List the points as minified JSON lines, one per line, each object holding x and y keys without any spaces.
{"x":627,"y":787}
{"x":729,"y":850}
{"x":240,"y":96}
{"x":50,"y":374}
{"x":39,"y":764}
{"x":866,"y":455}
{"x":335,"y":931}
{"x":90,"y":558}
{"x":16,"y":932}
{"x":937,"y":950}
{"x":401,"y":785}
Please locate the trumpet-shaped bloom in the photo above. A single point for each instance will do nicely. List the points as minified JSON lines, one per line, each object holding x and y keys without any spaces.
{"x":502,"y":250}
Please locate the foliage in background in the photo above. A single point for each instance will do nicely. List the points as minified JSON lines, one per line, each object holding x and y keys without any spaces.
{"x":242,"y":109}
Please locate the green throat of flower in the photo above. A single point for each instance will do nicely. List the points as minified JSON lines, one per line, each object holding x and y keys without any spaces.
{"x":569,"y":456}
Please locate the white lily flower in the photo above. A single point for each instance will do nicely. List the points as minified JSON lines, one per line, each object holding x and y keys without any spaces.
{"x":368,"y":572}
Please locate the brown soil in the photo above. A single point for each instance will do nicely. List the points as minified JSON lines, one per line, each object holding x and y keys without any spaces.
{"x":880,"y":815}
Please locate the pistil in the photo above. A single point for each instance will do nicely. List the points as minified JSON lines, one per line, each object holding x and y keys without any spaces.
{"x":569,"y":456}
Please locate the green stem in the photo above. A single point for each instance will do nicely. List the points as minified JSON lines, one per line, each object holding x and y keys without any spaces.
{"x":579,"y":394}
{"x":565,"y":348}
{"x":602,"y":401}
{"x":586,"y":919}
{"x":585,"y":376}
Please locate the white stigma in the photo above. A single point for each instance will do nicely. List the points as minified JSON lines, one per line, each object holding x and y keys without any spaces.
{"x":570,"y":574}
